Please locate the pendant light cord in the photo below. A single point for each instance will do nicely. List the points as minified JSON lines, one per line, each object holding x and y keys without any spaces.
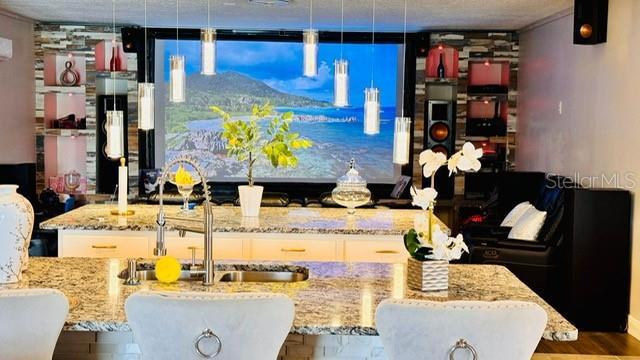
{"x":115,"y":44}
{"x":373,"y":40}
{"x":310,"y":14}
{"x":341,"y":29}
{"x":404,"y":53}
{"x":146,"y":65}
{"x":177,"y":26}
{"x":208,"y":14}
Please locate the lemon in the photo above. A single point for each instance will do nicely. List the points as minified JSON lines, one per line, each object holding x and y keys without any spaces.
{"x":183,"y":177}
{"x":168,"y":269}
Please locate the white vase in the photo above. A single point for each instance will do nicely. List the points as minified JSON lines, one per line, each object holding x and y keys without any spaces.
{"x":250,"y":200}
{"x":429,"y":275}
{"x":16,"y":224}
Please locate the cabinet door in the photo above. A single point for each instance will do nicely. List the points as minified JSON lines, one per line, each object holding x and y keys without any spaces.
{"x":103,"y":244}
{"x":181,"y":247}
{"x":375,"y":250}
{"x":293,"y":249}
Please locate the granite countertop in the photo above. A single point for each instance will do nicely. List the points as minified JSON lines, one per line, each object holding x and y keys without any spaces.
{"x":338,"y":298}
{"x":229,"y":219}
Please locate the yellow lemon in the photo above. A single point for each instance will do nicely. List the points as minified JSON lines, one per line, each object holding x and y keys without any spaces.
{"x":183,"y":177}
{"x":168,"y":269}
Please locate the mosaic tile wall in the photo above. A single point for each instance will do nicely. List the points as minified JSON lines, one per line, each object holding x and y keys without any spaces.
{"x":80,"y":40}
{"x":471,"y":46}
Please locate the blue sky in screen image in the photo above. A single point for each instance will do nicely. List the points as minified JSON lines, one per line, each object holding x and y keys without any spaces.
{"x":279,"y":65}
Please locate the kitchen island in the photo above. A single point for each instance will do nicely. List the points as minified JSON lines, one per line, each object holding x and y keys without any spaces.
{"x":335,"y":307}
{"x":283,"y":234}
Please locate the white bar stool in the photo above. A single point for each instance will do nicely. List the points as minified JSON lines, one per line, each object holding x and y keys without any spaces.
{"x":198,"y":325}
{"x":30,"y":323}
{"x":460,"y":330}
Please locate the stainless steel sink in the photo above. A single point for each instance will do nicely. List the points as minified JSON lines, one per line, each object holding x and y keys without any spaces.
{"x":229,"y":276}
{"x":263,"y":276}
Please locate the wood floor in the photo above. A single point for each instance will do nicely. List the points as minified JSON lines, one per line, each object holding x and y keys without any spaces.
{"x":591,"y":346}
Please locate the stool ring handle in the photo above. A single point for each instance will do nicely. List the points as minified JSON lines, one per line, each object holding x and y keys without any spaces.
{"x":462,"y":344}
{"x":208,"y":334}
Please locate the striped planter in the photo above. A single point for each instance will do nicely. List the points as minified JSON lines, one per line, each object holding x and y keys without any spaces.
{"x":431,"y":275}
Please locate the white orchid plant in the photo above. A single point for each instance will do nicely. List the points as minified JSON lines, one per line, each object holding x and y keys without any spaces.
{"x":427,"y":241}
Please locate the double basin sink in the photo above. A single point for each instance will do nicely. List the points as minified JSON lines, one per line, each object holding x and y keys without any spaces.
{"x":232,"y":273}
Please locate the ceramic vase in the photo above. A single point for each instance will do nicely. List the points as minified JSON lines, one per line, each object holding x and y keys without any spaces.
{"x":16,"y":224}
{"x":430,"y":275}
{"x":250,"y":200}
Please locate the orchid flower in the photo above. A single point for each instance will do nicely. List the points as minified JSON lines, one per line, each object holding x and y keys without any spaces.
{"x":469,"y":159}
{"x":423,"y":197}
{"x":431,"y":161}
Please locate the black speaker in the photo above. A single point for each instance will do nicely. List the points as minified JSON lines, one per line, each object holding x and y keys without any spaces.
{"x":106,"y":168}
{"x":132,"y":39}
{"x":440,"y":137}
{"x":590,"y":21}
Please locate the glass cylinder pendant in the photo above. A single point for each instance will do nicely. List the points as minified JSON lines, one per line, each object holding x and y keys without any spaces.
{"x":115,"y":134}
{"x":146,"y":116}
{"x":310,"y":40}
{"x":341,"y":83}
{"x":401,"y":140}
{"x":208,"y":48}
{"x":371,"y":111}
{"x":177,"y":79}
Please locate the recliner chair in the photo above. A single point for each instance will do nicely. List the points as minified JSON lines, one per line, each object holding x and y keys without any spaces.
{"x":537,"y":262}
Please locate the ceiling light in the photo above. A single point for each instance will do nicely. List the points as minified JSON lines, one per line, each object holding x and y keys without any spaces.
{"x":208,"y":46}
{"x":341,"y":72}
{"x":146,"y":91}
{"x":310,"y":50}
{"x":372,"y":94}
{"x":177,"y":76}
{"x":402,"y":131}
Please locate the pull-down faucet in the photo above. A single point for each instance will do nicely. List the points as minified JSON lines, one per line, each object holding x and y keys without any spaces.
{"x":160,"y":249}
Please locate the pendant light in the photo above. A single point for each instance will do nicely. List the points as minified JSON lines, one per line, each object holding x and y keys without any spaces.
{"x":146,"y":90}
{"x":341,"y":72}
{"x":402,"y":131}
{"x":114,"y":126}
{"x":208,"y":46}
{"x":372,"y":94}
{"x":177,"y":76}
{"x":310,"y":50}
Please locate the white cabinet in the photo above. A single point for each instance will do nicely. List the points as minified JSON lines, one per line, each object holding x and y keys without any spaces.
{"x":103,"y":244}
{"x":289,"y":249}
{"x":234,"y":246}
{"x":385,"y":250}
{"x":224,"y":248}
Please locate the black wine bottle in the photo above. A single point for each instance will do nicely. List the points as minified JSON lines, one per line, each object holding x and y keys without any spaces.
{"x":441,"y":67}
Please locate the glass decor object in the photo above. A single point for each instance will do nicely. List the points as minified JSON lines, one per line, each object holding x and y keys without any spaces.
{"x":72,"y":181}
{"x":185,"y":188}
{"x":146,"y":116}
{"x":310,"y":40}
{"x":115,"y":134}
{"x":208,"y":48}
{"x":401,"y":140}
{"x":177,"y":79}
{"x":351,"y":190}
{"x":341,"y":83}
{"x":371,"y":111}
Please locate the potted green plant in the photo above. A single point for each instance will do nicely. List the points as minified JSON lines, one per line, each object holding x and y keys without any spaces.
{"x":247,"y":141}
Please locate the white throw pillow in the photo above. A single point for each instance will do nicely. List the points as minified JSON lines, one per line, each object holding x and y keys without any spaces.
{"x":528,"y":226}
{"x":515,"y":214}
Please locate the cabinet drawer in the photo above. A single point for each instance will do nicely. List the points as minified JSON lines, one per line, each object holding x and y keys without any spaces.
{"x":385,"y":251}
{"x":180,"y":247}
{"x":293,"y":250}
{"x":104,"y":244}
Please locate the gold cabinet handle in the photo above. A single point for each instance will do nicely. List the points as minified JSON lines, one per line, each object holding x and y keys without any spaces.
{"x":104,"y":246}
{"x":293,"y":250}
{"x":386,"y":252}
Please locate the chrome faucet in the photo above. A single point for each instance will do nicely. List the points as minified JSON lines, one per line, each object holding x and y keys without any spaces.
{"x":160,"y":249}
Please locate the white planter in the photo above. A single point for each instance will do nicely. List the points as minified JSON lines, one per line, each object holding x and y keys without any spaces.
{"x":250,"y":199}
{"x":16,"y":224}
{"x":430,"y":275}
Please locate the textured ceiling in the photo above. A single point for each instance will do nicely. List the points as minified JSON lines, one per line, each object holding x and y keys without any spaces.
{"x":240,"y":14}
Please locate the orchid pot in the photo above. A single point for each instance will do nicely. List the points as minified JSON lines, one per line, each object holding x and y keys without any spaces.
{"x":250,"y":200}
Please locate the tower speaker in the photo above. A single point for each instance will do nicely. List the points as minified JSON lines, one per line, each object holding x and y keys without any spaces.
{"x":440,"y":137}
{"x":590,"y":21}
